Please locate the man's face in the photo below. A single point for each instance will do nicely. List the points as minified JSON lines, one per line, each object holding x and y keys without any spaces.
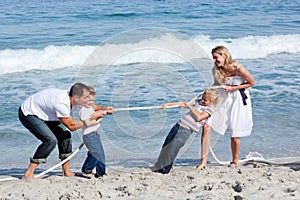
{"x":84,"y":99}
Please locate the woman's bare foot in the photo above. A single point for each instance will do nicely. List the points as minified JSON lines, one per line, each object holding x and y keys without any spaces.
{"x":234,"y":163}
{"x":201,"y":166}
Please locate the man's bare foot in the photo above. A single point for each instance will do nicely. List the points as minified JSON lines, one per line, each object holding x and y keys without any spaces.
{"x":27,"y":177}
{"x":68,"y":174}
{"x":201,"y":166}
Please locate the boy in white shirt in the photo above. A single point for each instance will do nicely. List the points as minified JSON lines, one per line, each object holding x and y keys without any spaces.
{"x":95,"y":156}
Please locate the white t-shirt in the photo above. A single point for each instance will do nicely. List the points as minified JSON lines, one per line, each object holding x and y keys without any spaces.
{"x":48,"y":104}
{"x":84,"y":114}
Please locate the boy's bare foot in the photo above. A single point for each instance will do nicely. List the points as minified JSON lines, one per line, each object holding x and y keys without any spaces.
{"x":201,"y":166}
{"x":89,"y":175}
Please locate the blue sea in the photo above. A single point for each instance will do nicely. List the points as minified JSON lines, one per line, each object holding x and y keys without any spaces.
{"x":144,"y":53}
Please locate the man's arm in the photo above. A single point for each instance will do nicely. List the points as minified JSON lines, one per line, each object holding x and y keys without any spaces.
{"x":71,"y":124}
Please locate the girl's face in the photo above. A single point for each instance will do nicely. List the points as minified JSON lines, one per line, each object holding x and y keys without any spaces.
{"x":218,"y":59}
{"x":206,"y":100}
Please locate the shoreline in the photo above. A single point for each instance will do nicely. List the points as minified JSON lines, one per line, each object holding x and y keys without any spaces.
{"x":252,"y":180}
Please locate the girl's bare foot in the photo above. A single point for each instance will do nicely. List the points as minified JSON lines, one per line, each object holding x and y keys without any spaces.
{"x":201,"y":166}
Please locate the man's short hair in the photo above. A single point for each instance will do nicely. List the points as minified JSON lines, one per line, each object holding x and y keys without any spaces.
{"x":78,"y":89}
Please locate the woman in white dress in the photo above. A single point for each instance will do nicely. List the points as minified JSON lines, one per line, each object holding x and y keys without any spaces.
{"x":237,"y":110}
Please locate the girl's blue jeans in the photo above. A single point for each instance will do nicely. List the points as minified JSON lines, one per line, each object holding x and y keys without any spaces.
{"x":49,"y":133}
{"x":175,"y":140}
{"x":95,"y":156}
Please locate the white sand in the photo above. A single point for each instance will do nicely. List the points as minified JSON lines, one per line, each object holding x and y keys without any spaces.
{"x":251,"y":181}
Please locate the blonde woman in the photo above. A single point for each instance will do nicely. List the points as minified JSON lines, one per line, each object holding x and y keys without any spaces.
{"x":236,"y":80}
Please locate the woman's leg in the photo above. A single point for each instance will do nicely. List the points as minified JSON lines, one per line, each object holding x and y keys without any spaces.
{"x":235,"y":149}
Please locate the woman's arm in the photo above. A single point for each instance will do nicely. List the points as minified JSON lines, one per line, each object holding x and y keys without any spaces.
{"x":245,"y":74}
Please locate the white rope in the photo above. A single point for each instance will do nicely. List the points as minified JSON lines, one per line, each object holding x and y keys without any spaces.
{"x":50,"y":169}
{"x":60,"y":163}
{"x":144,"y":108}
{"x":252,"y":159}
{"x":158,"y":107}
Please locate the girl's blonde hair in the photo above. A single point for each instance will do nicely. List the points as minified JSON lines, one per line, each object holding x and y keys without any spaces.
{"x":213,"y":94}
{"x":218,"y":72}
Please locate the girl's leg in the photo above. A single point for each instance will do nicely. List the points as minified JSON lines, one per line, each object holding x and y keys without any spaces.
{"x":235,"y":149}
{"x":205,"y":143}
{"x":171,"y":148}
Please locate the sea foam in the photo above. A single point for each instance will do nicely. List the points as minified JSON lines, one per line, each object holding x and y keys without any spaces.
{"x":164,"y":49}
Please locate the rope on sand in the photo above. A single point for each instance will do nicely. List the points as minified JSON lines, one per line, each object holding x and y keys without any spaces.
{"x":50,"y":169}
{"x":60,"y":163}
{"x":251,"y":159}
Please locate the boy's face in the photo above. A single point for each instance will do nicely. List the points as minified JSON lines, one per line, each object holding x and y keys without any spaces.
{"x":90,"y":102}
{"x":206,"y":100}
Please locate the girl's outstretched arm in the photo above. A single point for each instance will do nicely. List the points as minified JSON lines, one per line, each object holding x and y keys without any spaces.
{"x":181,"y":104}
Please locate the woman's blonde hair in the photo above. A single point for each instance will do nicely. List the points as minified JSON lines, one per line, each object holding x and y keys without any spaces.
{"x":213,"y":94}
{"x":219,"y":74}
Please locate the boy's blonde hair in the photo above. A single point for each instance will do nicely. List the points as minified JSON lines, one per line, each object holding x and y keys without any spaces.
{"x":214,"y":95}
{"x":92,"y":90}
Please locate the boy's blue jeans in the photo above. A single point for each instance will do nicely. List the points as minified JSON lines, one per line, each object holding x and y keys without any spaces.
{"x":50,"y":133}
{"x":176,"y":139}
{"x":95,"y":156}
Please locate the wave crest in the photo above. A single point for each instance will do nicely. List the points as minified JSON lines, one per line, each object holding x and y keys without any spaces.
{"x":53,"y":57}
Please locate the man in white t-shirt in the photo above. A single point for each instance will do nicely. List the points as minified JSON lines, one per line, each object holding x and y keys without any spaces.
{"x":47,"y":115}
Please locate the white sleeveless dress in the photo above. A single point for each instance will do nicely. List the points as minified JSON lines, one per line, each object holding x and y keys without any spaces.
{"x":232,"y":114}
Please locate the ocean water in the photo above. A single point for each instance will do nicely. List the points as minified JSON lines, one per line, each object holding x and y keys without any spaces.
{"x":144,"y":53}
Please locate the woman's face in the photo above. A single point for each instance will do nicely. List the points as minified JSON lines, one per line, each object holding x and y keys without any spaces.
{"x":218,"y":59}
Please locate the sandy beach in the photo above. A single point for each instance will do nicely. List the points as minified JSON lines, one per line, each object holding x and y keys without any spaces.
{"x":252,"y":180}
